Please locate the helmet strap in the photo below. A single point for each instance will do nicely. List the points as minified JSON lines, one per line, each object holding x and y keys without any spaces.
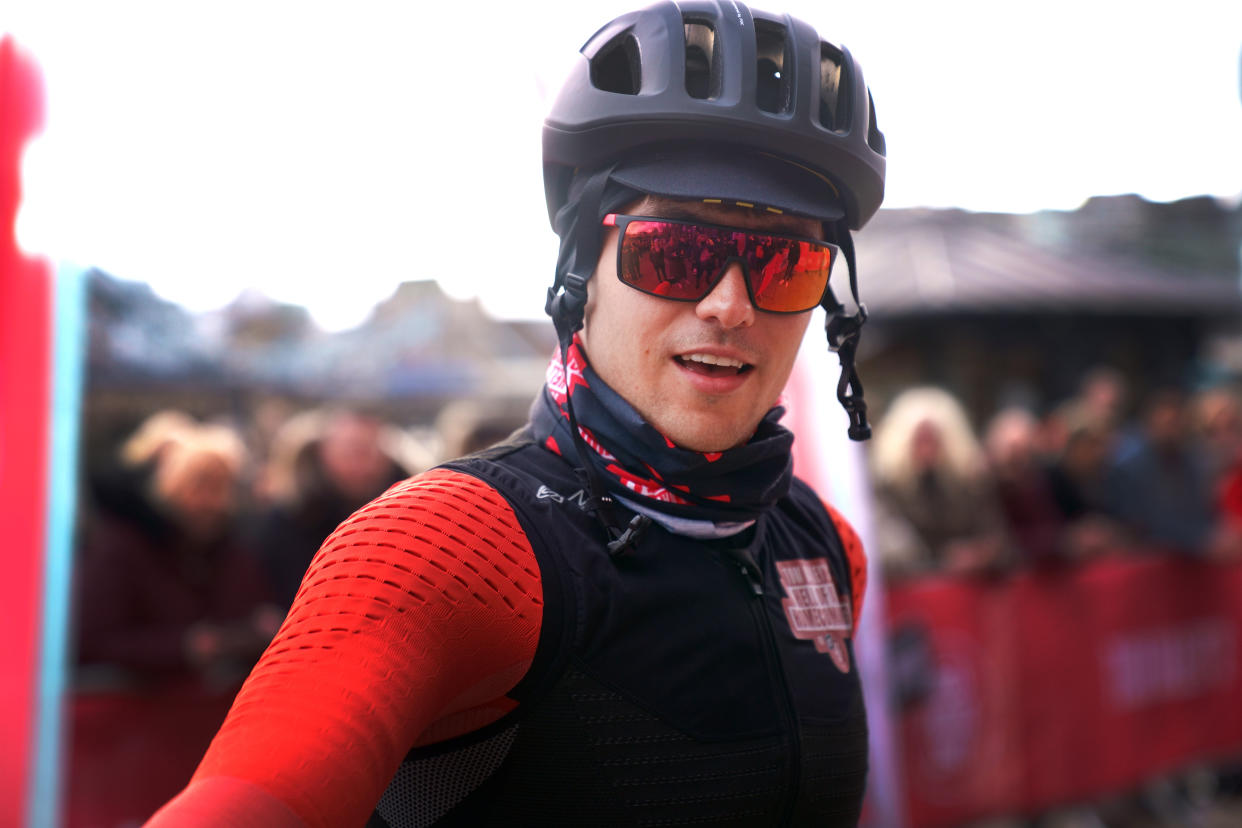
{"x":567,"y":298}
{"x":566,"y":304}
{"x":843,"y":330}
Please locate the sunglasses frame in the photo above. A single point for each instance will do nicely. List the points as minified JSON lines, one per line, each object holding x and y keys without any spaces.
{"x":621,"y":221}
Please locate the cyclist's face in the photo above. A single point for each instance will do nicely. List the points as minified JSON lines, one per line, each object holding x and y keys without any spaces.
{"x":703,"y":373}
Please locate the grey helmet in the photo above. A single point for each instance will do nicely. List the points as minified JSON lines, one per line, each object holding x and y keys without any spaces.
{"x":716,"y":73}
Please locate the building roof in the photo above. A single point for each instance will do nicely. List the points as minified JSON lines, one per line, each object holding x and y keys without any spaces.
{"x":925,"y":262}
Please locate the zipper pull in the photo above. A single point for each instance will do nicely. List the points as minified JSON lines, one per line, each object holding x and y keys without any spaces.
{"x":746,"y":565}
{"x":751,"y":576}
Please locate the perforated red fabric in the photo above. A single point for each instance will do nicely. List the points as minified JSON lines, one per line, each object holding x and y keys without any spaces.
{"x":414,"y":619}
{"x":857,"y":560}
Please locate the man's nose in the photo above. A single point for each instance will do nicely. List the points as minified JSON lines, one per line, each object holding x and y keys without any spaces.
{"x":728,"y":303}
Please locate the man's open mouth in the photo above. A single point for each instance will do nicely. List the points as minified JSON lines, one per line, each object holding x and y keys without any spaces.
{"x":712,"y":366}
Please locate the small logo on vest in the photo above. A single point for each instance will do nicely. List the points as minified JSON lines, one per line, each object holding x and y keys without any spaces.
{"x":578,"y":498}
{"x":545,"y":493}
{"x":814,"y":610}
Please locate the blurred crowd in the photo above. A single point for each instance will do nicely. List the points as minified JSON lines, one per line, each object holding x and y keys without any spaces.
{"x":1082,"y":480}
{"x":195,"y":535}
{"x":1094,"y":476}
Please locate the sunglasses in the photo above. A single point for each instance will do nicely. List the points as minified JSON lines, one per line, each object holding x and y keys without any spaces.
{"x":685,"y":260}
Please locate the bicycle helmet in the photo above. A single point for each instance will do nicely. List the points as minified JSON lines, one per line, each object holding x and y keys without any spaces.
{"x":711,"y":72}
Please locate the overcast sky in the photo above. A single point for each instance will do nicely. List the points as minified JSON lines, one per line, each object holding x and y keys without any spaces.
{"x":323,"y":152}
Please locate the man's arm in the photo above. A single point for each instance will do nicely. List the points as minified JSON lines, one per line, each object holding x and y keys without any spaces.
{"x":414,"y":620}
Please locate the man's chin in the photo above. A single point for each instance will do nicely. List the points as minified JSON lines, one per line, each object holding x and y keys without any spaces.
{"x":707,"y":433}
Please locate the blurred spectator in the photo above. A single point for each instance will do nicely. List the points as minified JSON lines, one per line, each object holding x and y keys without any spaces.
{"x":1218,"y":419}
{"x":1079,"y":475}
{"x":467,"y":426}
{"x":936,"y":504}
{"x":1103,"y":396}
{"x":1218,"y":423}
{"x":1023,"y":487}
{"x":1163,"y":490}
{"x":1101,"y":402}
{"x":119,"y":487}
{"x":267,"y":416}
{"x":166,"y":590}
{"x":324,"y":466}
{"x":1104,"y":399}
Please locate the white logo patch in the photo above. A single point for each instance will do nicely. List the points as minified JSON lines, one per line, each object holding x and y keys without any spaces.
{"x":814,"y":611}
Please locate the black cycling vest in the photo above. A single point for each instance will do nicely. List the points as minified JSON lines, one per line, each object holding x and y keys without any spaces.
{"x":682,"y":682}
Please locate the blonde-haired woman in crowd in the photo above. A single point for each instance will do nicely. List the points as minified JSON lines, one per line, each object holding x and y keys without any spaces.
{"x":936,"y":505}
{"x":170,"y":591}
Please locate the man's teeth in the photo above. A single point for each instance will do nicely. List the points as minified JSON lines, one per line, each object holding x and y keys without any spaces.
{"x":708,"y":359}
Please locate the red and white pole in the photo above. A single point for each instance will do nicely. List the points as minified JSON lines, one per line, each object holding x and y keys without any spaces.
{"x":41,"y":347}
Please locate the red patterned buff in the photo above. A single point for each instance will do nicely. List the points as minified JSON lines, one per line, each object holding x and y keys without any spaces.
{"x":638,"y":463}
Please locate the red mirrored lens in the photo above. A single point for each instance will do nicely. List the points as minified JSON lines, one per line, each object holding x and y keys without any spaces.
{"x":793,"y":278}
{"x":683,"y":261}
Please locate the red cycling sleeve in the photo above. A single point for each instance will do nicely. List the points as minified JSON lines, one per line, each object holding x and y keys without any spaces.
{"x":857,"y":559}
{"x":416,"y":617}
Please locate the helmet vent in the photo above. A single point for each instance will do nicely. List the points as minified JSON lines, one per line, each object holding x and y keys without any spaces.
{"x":773,"y":91}
{"x":834,"y":101}
{"x":617,"y":68}
{"x":702,"y":68}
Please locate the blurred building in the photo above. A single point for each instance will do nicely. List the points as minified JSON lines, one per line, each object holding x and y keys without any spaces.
{"x":997,"y":308}
{"x":1006,"y":309}
{"x":417,"y":352}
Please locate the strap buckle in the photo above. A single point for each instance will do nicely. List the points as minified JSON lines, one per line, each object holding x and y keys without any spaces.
{"x":844,"y":332}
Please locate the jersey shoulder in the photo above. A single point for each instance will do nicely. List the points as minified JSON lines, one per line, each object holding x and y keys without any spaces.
{"x":851,"y":543}
{"x":855,"y":556}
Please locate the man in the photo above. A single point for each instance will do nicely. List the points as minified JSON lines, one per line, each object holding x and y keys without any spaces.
{"x":630,"y":613}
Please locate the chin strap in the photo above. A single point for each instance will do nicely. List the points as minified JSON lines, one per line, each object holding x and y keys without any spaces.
{"x":844,"y":330}
{"x":567,"y":298}
{"x":566,"y":304}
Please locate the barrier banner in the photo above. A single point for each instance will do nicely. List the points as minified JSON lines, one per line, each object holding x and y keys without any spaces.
{"x":1058,"y":686}
{"x":134,"y":750}
{"x":959,"y":743}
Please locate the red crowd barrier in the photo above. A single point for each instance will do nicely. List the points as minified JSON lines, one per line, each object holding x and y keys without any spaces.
{"x":1055,"y":687}
{"x":1046,"y":688}
{"x":133,"y":750}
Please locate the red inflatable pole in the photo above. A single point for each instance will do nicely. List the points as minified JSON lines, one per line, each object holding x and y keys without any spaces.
{"x":25,"y":398}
